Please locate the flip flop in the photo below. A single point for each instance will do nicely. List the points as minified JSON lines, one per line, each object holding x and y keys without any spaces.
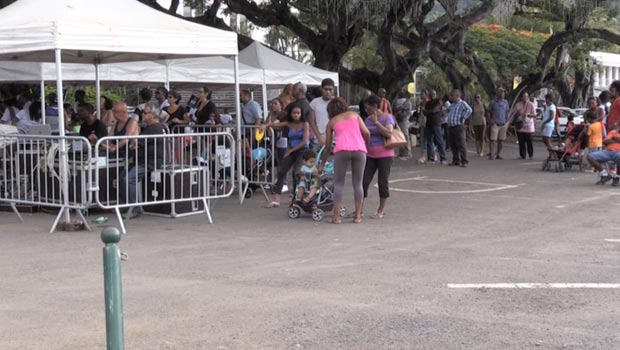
{"x":336,"y":221}
{"x":273,"y":205}
{"x":378,"y":216}
{"x":357,"y":220}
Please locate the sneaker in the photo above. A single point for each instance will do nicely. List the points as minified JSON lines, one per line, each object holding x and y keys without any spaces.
{"x":604,"y":179}
{"x":498,"y":157}
{"x":421,"y":161}
{"x":444,"y":162}
{"x":615,"y":182}
{"x":284,"y":188}
{"x":463,"y":165}
{"x":454,"y":164}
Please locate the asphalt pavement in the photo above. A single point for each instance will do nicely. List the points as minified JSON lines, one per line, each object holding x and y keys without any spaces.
{"x":499,"y":255}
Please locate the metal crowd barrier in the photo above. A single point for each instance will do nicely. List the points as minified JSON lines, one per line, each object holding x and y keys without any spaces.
{"x":171,"y":175}
{"x":258,"y":156}
{"x":258,"y":160}
{"x":30,"y":172}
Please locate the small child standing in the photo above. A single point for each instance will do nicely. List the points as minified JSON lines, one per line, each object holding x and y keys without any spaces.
{"x":308,"y":177}
{"x":595,"y":132}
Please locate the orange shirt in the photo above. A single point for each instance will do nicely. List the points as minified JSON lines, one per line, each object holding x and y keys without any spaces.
{"x":615,"y":147}
{"x":614,"y":115}
{"x":595,"y":135}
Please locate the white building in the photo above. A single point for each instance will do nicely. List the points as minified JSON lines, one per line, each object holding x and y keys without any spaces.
{"x":607,"y":69}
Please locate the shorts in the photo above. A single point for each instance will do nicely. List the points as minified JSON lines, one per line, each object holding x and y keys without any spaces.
{"x":547,"y":131}
{"x":606,"y":156}
{"x":314,"y":183}
{"x":498,"y":132}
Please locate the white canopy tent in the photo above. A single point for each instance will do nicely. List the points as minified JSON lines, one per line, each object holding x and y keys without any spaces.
{"x":203,"y":69}
{"x":280,"y":69}
{"x":96,"y":32}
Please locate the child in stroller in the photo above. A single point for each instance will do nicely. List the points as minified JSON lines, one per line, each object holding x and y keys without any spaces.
{"x":315,"y":191}
{"x":308,"y":175}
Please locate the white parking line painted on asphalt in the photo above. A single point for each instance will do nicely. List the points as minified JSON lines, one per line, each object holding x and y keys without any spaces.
{"x":492,"y":186}
{"x":535,"y":286}
{"x":591,"y":199}
{"x":612,"y":240}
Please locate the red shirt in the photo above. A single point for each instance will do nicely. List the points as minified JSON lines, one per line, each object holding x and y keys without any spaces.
{"x":614,"y":115}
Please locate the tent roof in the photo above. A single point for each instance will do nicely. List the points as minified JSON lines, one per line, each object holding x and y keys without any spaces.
{"x":104,"y":31}
{"x":185,"y":70}
{"x":281,"y":69}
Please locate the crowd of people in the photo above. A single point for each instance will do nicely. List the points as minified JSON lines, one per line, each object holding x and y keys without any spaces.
{"x":309,"y":130}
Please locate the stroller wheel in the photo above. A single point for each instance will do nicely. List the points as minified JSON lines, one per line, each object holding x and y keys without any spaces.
{"x":343,"y":211}
{"x":317,"y":214}
{"x":294,"y":211}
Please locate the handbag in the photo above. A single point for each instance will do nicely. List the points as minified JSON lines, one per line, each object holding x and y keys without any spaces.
{"x":397,"y":140}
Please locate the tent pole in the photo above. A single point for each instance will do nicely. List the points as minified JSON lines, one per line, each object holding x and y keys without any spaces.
{"x":238,"y":118}
{"x":42,"y":100}
{"x":167,"y":83}
{"x":265,"y":103}
{"x":98,"y":90}
{"x":64,"y":181}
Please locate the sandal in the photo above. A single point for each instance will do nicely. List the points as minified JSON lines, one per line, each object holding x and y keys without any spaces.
{"x":357,"y":220}
{"x":377,"y":216}
{"x":273,"y":205}
{"x":336,"y":221}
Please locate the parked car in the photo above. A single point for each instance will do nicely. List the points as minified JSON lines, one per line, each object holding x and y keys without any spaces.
{"x":354,"y":108}
{"x":581,"y":111}
{"x":577,"y":119}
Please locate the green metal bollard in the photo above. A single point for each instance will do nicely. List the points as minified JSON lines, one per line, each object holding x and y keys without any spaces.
{"x":115,"y":337}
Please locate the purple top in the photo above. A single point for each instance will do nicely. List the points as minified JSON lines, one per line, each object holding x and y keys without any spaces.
{"x":376,"y":139}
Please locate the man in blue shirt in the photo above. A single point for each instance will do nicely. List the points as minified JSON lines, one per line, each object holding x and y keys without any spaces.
{"x":251,"y":113}
{"x":456,"y":115}
{"x":498,"y":120}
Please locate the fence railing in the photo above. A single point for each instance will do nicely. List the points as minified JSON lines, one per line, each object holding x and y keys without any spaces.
{"x":31,"y":171}
{"x":258,"y":160}
{"x":258,"y":155}
{"x":170,"y":175}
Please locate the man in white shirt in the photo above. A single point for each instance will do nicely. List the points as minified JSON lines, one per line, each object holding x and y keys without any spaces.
{"x":318,"y":114}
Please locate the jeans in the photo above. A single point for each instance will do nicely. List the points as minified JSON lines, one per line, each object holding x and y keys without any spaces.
{"x":456,"y":137}
{"x":129,"y":184}
{"x":525,"y":141}
{"x":287,"y":163}
{"x":433,"y":136}
{"x":606,"y":156}
{"x":383,"y":166}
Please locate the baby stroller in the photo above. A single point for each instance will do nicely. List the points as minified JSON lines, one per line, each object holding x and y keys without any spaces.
{"x":323,"y":200}
{"x":257,"y":165}
{"x":569,"y":153}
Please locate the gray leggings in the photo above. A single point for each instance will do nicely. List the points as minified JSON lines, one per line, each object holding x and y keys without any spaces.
{"x":341,"y":163}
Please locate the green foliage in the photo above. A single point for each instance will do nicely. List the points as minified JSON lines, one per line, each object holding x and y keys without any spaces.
{"x":506,"y":53}
{"x":365,"y":55}
{"x":116,"y":94}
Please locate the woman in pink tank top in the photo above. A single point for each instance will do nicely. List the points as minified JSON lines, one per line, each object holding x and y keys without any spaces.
{"x":351,"y":136}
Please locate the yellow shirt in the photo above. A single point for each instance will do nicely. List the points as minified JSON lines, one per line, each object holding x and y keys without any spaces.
{"x":595,"y":135}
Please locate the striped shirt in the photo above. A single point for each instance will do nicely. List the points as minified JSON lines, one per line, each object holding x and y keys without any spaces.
{"x":457,"y":112}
